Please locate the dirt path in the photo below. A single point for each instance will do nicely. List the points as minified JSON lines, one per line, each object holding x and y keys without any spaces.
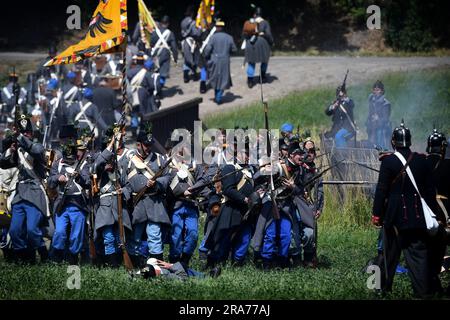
{"x":288,"y":74}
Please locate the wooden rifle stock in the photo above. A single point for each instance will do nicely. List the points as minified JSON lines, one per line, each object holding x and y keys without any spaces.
{"x":160,"y":172}
{"x":126,"y":258}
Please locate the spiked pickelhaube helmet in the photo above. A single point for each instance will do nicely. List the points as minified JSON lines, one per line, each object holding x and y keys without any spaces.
{"x":437,"y":142}
{"x":401,"y":137}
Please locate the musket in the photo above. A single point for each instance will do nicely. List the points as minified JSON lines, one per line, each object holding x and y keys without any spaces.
{"x":52,"y":114}
{"x":158,"y":174}
{"x":348,"y":182}
{"x":77,"y":167}
{"x":16,"y":92}
{"x":126,"y":258}
{"x":275,"y":211}
{"x":321,"y":173}
{"x":92,"y":251}
{"x":344,"y":83}
{"x":365,"y":166}
{"x":213,"y":181}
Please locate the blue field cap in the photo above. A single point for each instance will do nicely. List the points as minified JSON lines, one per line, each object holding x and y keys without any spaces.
{"x":287,"y":127}
{"x":148,"y":64}
{"x":88,"y":93}
{"x":71,"y":75}
{"x":52,"y":84}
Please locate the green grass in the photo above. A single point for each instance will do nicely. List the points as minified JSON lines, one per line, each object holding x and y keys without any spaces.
{"x":346,"y":239}
{"x":422,"y":98}
{"x":342,"y":250}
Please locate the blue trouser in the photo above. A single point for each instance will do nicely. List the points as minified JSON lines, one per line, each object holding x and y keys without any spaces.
{"x":25,"y":231}
{"x":203,"y":74}
{"x":77,"y":219}
{"x":251,"y":69}
{"x":155,"y":238}
{"x":277,"y":230}
{"x":184,"y":231}
{"x":341,"y":138}
{"x":134,"y":120}
{"x":111,"y":239}
{"x":162,"y":80}
{"x":218,"y":95}
{"x":239,"y":247}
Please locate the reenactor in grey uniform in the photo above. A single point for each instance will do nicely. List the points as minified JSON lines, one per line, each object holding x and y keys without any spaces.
{"x":160,"y":53}
{"x":257,"y":42}
{"x":378,"y":121}
{"x":149,"y":214}
{"x":182,"y":193}
{"x":106,"y":215}
{"x":29,"y":204}
{"x":8,"y":97}
{"x":86,"y":113}
{"x":71,"y":93}
{"x":190,"y":45}
{"x":71,"y":206}
{"x":218,"y":50}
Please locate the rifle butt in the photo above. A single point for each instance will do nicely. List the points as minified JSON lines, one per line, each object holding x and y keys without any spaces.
{"x":92,"y":251}
{"x":126,"y":260}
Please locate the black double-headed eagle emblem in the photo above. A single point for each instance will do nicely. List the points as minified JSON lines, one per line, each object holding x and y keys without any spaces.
{"x":98,"y":23}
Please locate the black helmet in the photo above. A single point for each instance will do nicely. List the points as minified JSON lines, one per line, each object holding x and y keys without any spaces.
{"x":295,"y":148}
{"x":24,"y":124}
{"x":401,"y":137}
{"x":145,"y":136}
{"x":437,"y":142}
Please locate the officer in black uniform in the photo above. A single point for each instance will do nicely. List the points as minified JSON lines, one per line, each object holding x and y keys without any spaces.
{"x":436,"y":147}
{"x":397,"y":207}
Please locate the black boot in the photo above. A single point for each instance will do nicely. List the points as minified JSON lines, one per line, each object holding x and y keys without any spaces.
{"x":202,"y":87}
{"x":72,"y":259}
{"x":138,"y":261}
{"x":185,"y":258}
{"x":284,"y":263}
{"x":57,"y":256}
{"x":250,"y":82}
{"x":157,"y":256}
{"x":112,"y":260}
{"x":8,"y":254}
{"x":186,"y":77}
{"x":297,"y":260}
{"x":264,"y":77}
{"x":174,"y":259}
{"x":43,"y":253}
{"x":30,"y":256}
{"x":309,"y":260}
{"x":196,"y":76}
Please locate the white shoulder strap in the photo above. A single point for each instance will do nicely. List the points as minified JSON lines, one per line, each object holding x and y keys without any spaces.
{"x":408,"y":171}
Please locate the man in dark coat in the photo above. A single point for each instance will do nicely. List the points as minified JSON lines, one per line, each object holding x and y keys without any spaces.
{"x":397,"y":207}
{"x":257,"y":45}
{"x":230,"y":231}
{"x":30,"y":207}
{"x":105,"y":99}
{"x":436,"y":148}
{"x":218,"y":50}
{"x":190,"y":45}
{"x":8,"y":95}
{"x":378,"y":121}
{"x":341,"y":111}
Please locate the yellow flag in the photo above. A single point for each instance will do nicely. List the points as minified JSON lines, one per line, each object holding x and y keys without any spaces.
{"x":147,"y":23}
{"x":205,"y":14}
{"x":107,"y":30}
